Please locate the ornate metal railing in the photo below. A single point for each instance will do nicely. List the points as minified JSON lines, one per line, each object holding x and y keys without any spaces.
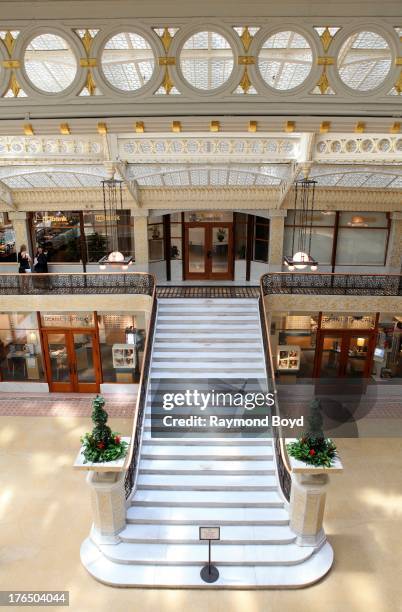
{"x":281,"y":457}
{"x":77,"y":283}
{"x":135,"y":446}
{"x":331,"y":284}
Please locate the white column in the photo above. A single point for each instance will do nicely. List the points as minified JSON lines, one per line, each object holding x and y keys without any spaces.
{"x":20,"y":225}
{"x":108,"y":505}
{"x":276,"y":234}
{"x":141,"y":242}
{"x":394,"y":257}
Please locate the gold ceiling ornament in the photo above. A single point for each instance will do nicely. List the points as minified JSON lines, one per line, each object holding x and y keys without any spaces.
{"x":101,"y":128}
{"x":323,"y":82}
{"x":167,"y":82}
{"x":398,"y":84}
{"x":88,"y":62}
{"x":90,"y":84}
{"x":139,"y":127}
{"x":326,"y":39}
{"x":246,"y":60}
{"x":87,"y":41}
{"x":246,"y":38}
{"x":167,"y":61}
{"x":14,"y":85}
{"x":360,"y":127}
{"x":214,"y":126}
{"x":9,"y":42}
{"x":11,"y":63}
{"x":395,"y":128}
{"x":166,"y":39}
{"x":28,"y":129}
{"x":325,"y":60}
{"x":245,"y":82}
{"x":290,"y":126}
{"x":65,"y":129}
{"x":325,"y":127}
{"x":252,"y":126}
{"x":176,"y":126}
{"x":398,"y":61}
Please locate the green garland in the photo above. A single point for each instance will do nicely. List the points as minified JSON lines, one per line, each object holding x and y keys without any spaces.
{"x":102,"y":444}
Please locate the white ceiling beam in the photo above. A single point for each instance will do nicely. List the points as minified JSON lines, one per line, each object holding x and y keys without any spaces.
{"x":6,"y":196}
{"x":131,"y":185}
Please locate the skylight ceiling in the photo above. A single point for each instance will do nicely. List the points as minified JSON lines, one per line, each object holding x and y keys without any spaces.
{"x":206,"y":60}
{"x":128,"y":61}
{"x":364,"y":61}
{"x":358,"y":176}
{"x":285,"y":60}
{"x":52,"y":180}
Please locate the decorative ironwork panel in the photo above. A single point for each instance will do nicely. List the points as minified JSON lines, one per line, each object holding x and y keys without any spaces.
{"x":332,"y":284}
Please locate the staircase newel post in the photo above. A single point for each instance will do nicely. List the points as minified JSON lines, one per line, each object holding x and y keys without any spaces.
{"x":307,"y":501}
{"x":108,"y":502}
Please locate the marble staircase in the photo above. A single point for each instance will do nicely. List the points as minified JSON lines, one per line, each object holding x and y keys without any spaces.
{"x":200,"y":479}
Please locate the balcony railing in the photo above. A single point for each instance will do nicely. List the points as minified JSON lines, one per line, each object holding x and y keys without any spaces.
{"x":331,"y":284}
{"x":81,"y":283}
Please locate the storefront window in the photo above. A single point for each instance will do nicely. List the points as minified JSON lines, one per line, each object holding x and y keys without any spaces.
{"x":362,"y":238}
{"x":322,"y":235}
{"x":176,"y":236}
{"x":261,"y":239}
{"x":240,"y":235}
{"x":295,"y":343}
{"x":97,"y":229}
{"x":20,"y":348}
{"x":155,"y":239}
{"x":7,"y":239}
{"x":58,"y":233}
{"x":122,"y":339}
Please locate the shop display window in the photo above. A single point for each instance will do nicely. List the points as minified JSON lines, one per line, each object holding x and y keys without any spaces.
{"x":122,"y":339}
{"x":58,"y":233}
{"x":97,"y":228}
{"x":7,"y":239}
{"x":20,"y":348}
{"x":156,"y":239}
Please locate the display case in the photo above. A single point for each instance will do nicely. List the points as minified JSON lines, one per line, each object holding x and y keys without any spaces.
{"x":288,"y":358}
{"x":123,"y":356}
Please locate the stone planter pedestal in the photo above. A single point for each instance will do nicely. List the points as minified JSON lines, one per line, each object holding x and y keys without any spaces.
{"x":307,"y":500}
{"x":108,"y":499}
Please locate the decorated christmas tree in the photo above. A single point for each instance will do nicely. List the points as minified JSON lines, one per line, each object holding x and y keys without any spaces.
{"x":314,"y":448}
{"x":102,"y":444}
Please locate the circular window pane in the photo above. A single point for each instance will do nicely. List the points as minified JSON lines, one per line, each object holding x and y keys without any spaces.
{"x":364,"y":61}
{"x":206,"y":60}
{"x":285,"y":60}
{"x":128,"y":61}
{"x":50,"y":63}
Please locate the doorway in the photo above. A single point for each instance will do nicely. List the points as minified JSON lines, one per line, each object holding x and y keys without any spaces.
{"x":344,"y":354}
{"x":72,"y":360}
{"x":208,"y":251}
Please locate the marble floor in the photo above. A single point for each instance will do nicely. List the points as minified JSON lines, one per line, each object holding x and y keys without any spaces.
{"x":45,"y":515}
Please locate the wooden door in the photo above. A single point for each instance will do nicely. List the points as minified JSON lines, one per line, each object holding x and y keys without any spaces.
{"x":208,"y":250}
{"x":72,"y":360}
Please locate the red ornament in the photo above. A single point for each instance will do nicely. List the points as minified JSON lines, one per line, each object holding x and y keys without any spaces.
{"x":101,"y":445}
{"x":311,"y":452}
{"x":117,"y":439}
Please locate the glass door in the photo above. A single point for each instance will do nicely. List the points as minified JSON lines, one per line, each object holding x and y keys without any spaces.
{"x":208,"y":251}
{"x":72,"y":359}
{"x":221,"y":260}
{"x":86,"y":369}
{"x":59,"y":366}
{"x":330,"y":356}
{"x":357,"y":357}
{"x":196,"y":251}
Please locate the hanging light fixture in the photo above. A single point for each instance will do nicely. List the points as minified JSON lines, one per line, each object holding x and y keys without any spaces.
{"x":112,"y":200}
{"x":302,"y":227}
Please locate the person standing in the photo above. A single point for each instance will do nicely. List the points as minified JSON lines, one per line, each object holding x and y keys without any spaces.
{"x":41,"y":261}
{"x":24,"y":260}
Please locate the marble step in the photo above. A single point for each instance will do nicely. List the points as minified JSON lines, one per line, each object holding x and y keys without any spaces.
{"x":212,"y":364}
{"x":228,"y":482}
{"x":215,"y":344}
{"x":206,"y":355}
{"x":178,"y":466}
{"x":198,"y":451}
{"x":205,"y":334}
{"x":213,"y":443}
{"x":186,"y":534}
{"x":189,"y":515}
{"x":206,"y":375}
{"x":206,"y":317}
{"x":228,"y":326}
{"x":234,"y":577}
{"x":207,"y":499}
{"x":197,"y":553}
